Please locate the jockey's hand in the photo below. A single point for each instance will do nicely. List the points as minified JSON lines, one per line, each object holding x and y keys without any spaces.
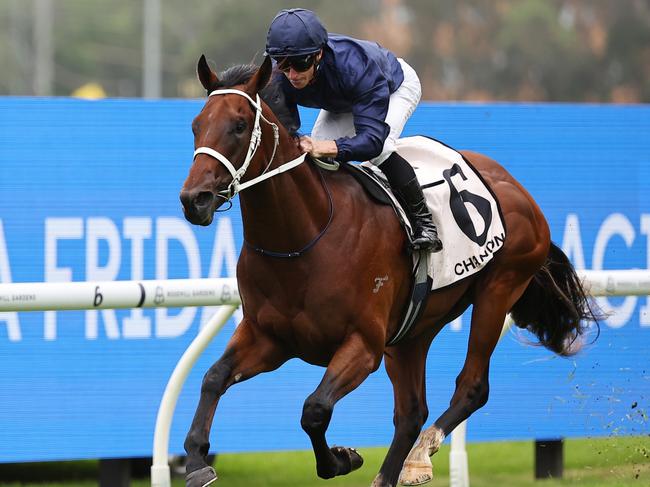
{"x":318,"y":148}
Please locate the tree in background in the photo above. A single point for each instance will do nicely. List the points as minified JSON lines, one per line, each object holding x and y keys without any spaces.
{"x":555,"y":50}
{"x":533,"y":50}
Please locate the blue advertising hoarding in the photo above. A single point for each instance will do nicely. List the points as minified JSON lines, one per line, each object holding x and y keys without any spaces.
{"x":89,"y":191}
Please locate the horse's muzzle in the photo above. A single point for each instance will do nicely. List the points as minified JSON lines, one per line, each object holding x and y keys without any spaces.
{"x":198,"y":206}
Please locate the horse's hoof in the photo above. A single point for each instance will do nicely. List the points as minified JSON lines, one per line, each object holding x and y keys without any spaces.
{"x":416,"y":473}
{"x":201,"y":478}
{"x":349,"y":457}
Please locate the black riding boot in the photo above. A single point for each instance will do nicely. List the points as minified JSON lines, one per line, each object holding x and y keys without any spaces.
{"x":425,"y":233}
{"x":402,"y":179}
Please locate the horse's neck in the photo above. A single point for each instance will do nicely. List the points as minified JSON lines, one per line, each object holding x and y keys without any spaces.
{"x":285,"y":212}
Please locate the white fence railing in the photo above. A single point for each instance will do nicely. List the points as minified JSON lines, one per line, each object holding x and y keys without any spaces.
{"x":171,"y":293}
{"x":224,"y":293}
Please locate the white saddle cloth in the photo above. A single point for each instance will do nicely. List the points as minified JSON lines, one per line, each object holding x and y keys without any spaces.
{"x":464,"y":209}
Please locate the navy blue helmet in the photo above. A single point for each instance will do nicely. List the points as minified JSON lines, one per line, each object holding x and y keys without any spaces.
{"x":295,"y":32}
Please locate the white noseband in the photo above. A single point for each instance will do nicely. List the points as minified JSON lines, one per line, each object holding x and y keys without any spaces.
{"x":256,"y":137}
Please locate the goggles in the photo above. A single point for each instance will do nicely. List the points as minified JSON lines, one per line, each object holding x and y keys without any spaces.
{"x":298,"y":63}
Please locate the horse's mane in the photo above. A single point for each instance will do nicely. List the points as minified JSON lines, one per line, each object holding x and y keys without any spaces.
{"x":271,"y":94}
{"x":236,"y":75}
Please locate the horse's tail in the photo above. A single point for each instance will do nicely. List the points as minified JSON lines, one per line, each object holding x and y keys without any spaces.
{"x":555,"y":306}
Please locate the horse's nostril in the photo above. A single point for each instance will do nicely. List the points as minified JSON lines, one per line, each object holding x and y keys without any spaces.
{"x":203,"y":199}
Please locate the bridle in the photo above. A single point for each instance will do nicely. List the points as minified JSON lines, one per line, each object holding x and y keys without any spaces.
{"x":236,"y":186}
{"x":256,"y":137}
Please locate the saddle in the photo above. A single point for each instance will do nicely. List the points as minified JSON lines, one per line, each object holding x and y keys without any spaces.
{"x":463,"y":206}
{"x":464,"y":209}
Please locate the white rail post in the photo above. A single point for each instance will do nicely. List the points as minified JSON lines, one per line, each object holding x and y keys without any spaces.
{"x":160,"y":474}
{"x":458,"y":467}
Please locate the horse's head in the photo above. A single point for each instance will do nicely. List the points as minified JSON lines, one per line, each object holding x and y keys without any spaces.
{"x":227,"y":133}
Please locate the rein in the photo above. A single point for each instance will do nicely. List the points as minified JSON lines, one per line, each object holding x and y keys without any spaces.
{"x":298,"y":253}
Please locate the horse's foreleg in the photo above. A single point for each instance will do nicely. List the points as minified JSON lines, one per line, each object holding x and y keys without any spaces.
{"x":349,"y":367}
{"x":472,"y":386}
{"x":405,"y":364}
{"x":249,"y":352}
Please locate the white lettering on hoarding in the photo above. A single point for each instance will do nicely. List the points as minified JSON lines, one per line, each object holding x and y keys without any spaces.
{"x":98,"y":230}
{"x":223,"y":252}
{"x":169,"y":228}
{"x":174,"y":239}
{"x":614,"y":225}
{"x":11,"y":318}
{"x":137,"y":230}
{"x":58,"y":229}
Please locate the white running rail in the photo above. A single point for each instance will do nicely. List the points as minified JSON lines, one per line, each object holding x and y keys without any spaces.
{"x":171,"y":293}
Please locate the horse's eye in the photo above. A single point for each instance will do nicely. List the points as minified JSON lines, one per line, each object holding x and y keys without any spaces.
{"x":240,"y":126}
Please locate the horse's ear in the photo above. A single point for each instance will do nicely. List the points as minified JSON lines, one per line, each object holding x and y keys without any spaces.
{"x":207,"y":77}
{"x":261,"y":78}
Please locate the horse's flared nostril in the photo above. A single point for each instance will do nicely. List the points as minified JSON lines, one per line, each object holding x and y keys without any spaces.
{"x":203,"y":200}
{"x":198,"y":207}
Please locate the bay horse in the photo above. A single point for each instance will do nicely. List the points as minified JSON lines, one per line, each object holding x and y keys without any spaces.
{"x":314,"y":244}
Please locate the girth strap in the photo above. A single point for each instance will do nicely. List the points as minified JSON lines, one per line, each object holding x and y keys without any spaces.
{"x":418,"y":299}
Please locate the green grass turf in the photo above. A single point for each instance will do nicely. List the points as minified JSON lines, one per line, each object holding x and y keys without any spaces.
{"x":603,"y":462}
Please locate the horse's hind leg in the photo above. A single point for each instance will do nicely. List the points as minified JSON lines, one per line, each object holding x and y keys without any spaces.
{"x":349,"y":367}
{"x":249,"y":352}
{"x":405,"y":364}
{"x":495,"y":298}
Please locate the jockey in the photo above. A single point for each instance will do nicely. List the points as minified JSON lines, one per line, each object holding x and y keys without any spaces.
{"x":365,"y":94}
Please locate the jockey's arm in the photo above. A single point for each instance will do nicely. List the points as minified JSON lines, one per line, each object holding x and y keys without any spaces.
{"x":369,"y":111}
